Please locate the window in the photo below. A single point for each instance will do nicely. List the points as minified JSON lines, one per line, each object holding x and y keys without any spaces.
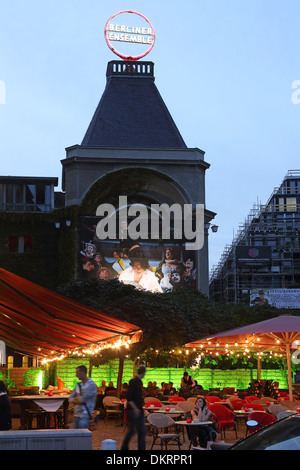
{"x":25,"y":361}
{"x":13,"y":244}
{"x":291,"y":204}
{"x":281,"y":204}
{"x":20,"y":244}
{"x":10,"y":362}
{"x":26,"y":197}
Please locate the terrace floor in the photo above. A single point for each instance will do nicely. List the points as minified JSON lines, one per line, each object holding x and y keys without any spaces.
{"x":110,"y":429}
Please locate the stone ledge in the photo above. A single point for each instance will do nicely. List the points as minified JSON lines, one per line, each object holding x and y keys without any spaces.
{"x":46,"y":439}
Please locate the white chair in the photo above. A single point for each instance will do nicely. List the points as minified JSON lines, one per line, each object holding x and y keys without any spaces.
{"x":186,"y":406}
{"x":192,"y":399}
{"x":113,"y":407}
{"x":147,"y":399}
{"x":160,"y":424}
{"x":276,"y":409}
{"x":283,"y":414}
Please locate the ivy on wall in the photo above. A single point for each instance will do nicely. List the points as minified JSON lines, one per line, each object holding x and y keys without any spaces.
{"x":52,"y":261}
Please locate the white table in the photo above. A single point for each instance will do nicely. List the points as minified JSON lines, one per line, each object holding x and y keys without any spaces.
{"x":200,"y":423}
{"x":45,"y":402}
{"x":171,"y":412}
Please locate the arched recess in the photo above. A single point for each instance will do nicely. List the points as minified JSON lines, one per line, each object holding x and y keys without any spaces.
{"x":140,"y":185}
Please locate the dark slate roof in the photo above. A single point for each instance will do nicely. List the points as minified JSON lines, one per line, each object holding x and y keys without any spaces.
{"x":131,"y":112}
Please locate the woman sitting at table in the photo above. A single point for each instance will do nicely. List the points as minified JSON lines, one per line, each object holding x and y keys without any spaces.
{"x":207,"y":432}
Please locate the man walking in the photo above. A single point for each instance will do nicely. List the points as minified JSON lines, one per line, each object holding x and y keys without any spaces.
{"x":84,"y":399}
{"x":135,"y":412}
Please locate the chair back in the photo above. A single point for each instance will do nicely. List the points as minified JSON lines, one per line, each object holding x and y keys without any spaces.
{"x":151,"y":399}
{"x":238,"y":404}
{"x":251,"y":398}
{"x":155,"y":403}
{"x":275,"y":409}
{"x":254,"y":406}
{"x":289,"y":404}
{"x":221,"y":411}
{"x":212,"y":398}
{"x":283,"y":414}
{"x":111,"y":401}
{"x":186,"y":405}
{"x":160,"y":421}
{"x":192,"y":399}
{"x":265,"y":399}
{"x":176,"y":399}
{"x":262,"y":418}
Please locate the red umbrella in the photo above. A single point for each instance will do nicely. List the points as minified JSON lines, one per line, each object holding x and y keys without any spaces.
{"x":281,"y":334}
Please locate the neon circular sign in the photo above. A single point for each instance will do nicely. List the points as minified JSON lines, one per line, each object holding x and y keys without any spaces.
{"x":137,"y":36}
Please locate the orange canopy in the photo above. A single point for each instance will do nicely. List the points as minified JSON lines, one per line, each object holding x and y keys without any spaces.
{"x":281,"y":333}
{"x":37,"y":321}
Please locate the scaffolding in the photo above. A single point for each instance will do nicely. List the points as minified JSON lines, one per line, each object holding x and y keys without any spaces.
{"x":275,"y":224}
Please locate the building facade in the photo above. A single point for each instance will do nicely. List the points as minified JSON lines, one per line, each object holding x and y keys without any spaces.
{"x":131,"y":148}
{"x":265,"y":254}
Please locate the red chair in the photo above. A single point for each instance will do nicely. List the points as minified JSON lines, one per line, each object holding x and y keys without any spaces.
{"x":225,"y":418}
{"x":251,"y":398}
{"x":254,"y":406}
{"x":154,"y":403}
{"x":212,"y":399}
{"x":263,"y":419}
{"x":176,"y":399}
{"x":238,"y":404}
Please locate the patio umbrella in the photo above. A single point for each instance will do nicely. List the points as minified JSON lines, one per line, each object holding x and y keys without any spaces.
{"x":279,"y":334}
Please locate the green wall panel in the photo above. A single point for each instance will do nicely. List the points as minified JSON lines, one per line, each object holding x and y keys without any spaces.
{"x":208,"y":378}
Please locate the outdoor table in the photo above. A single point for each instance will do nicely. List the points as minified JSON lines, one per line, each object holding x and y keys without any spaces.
{"x":224,"y":403}
{"x":191,"y":425}
{"x":151,"y":408}
{"x":170,"y":412}
{"x":241,"y":412}
{"x":47,"y":403}
{"x":241,"y":415}
{"x":200,"y":423}
{"x":172,"y":402}
{"x":123,"y":405}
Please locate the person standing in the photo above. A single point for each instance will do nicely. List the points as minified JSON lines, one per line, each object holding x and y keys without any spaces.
{"x":135,"y":411}
{"x":84,"y":399}
{"x":187,"y":381}
{"x":5,"y":410}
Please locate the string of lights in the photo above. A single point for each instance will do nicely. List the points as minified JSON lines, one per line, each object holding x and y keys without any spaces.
{"x":90,"y":350}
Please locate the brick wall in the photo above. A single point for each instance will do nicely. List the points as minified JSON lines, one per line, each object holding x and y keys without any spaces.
{"x":22,"y":376}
